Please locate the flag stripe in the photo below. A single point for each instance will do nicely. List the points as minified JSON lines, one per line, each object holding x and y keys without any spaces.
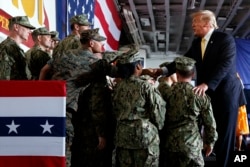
{"x":32,"y":161}
{"x":32,"y":123}
{"x":32,"y":88}
{"x":35,"y":146}
{"x":105,"y":26}
{"x":98,"y":24}
{"x":32,"y":106}
{"x":110,"y":19}
{"x":32,"y":126}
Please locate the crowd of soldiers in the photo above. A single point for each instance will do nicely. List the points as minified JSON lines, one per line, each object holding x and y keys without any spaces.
{"x":114,"y":115}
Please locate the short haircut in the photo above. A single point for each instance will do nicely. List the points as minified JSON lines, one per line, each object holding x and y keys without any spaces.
{"x":208,"y":16}
{"x":185,"y":74}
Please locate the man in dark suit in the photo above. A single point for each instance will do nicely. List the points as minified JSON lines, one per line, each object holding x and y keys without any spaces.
{"x":216,"y":75}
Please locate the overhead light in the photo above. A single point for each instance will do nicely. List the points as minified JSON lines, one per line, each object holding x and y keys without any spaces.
{"x":221,"y":18}
{"x":145,"y":21}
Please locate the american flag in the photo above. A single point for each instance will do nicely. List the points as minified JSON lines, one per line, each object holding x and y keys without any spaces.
{"x":102,"y":14}
{"x":32,"y":123}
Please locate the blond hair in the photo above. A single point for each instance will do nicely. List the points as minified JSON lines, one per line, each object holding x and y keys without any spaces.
{"x":207,"y":16}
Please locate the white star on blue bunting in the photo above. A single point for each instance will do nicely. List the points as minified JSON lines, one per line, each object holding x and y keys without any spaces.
{"x":47,"y":127}
{"x":13,"y":127}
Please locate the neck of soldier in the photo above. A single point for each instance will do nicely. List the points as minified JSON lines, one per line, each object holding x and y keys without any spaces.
{"x":43,"y":48}
{"x":183,"y":79}
{"x":16,"y":38}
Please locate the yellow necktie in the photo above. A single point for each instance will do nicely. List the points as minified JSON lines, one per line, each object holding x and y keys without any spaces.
{"x":203,"y":44}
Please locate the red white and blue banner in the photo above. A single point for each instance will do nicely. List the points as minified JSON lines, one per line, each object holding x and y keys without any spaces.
{"x":32,"y":123}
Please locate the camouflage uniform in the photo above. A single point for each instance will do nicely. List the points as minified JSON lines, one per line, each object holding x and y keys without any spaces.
{"x":37,"y":57}
{"x":72,"y":41}
{"x":13,"y":65}
{"x":69,"y":66}
{"x":140,"y":111}
{"x":183,"y":142}
{"x":92,"y":120}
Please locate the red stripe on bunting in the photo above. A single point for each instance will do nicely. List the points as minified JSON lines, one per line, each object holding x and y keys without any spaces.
{"x":32,"y":88}
{"x":32,"y":161}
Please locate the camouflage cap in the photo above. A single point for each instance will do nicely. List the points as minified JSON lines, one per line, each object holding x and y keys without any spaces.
{"x":92,"y":34}
{"x":55,"y":35}
{"x":129,"y":47}
{"x":184,"y":63}
{"x":80,"y":19}
{"x":111,"y":56}
{"x":129,"y":57}
{"x":22,"y":20}
{"x":41,"y":31}
{"x":164,"y":64}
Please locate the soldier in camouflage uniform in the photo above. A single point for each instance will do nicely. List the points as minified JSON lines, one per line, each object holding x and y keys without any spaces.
{"x":139,"y":111}
{"x":13,"y":65}
{"x":91,"y":116}
{"x":69,"y":66}
{"x":182,"y":141}
{"x":38,"y":55}
{"x":55,"y":41}
{"x":78,"y":23}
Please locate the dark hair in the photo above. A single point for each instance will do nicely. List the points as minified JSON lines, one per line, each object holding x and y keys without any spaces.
{"x":72,"y":27}
{"x":126,"y":70}
{"x":84,"y":40}
{"x":185,"y":74}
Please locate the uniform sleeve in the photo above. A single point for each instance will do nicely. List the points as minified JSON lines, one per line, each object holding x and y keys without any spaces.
{"x":6,"y":63}
{"x":100,"y":107}
{"x":157,"y":107}
{"x":163,"y":88}
{"x":38,"y":60}
{"x":210,"y":134}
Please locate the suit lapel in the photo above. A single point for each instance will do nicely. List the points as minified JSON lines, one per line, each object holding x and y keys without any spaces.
{"x":209,"y":45}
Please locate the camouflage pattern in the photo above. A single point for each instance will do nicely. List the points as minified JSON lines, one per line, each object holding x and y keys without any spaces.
{"x":92,"y":120}
{"x":80,"y":19}
{"x":55,"y":35}
{"x":38,"y":60}
{"x":13,"y":65}
{"x":92,"y":34}
{"x":164,"y":64}
{"x":181,"y":132}
{"x":68,"y":67}
{"x":71,"y":64}
{"x":140,"y":111}
{"x":111,"y":56}
{"x":184,"y":63}
{"x":90,"y":109}
{"x":28,"y":53}
{"x":22,"y":20}
{"x":70,"y":42}
{"x":40,"y":31}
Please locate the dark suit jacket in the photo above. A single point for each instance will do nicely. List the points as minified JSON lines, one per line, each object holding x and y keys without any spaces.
{"x":218,"y":70}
